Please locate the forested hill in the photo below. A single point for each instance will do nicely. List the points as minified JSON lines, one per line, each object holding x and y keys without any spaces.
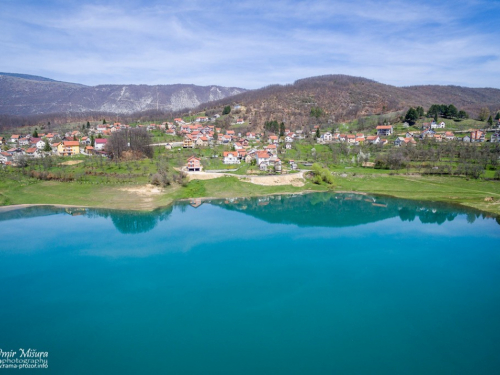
{"x":339,"y":98}
{"x":24,"y":95}
{"x":315,"y":100}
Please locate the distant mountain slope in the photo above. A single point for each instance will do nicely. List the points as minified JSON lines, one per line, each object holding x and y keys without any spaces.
{"x":344,"y":98}
{"x":25,"y":95}
{"x":27,"y":76}
{"x":340,"y":97}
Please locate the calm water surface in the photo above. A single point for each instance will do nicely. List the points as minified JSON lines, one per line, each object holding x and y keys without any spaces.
{"x":313,"y":284}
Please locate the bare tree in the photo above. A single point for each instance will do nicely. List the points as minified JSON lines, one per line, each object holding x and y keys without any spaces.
{"x":136,"y":140}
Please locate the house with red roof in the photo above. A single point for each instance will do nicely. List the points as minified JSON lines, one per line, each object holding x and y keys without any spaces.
{"x":273,"y":139}
{"x":272,"y":149}
{"x":384,"y":130}
{"x":100,"y":144}
{"x":188,"y":142}
{"x":68,"y":148}
{"x":231,"y":157}
{"x":194,"y":164}
{"x":5,"y":157}
{"x":351,"y":138}
{"x":262,"y":157}
{"x":373,"y":139}
{"x":33,"y":152}
{"x":477,"y":136}
{"x":449,"y":136}
{"x":202,"y":141}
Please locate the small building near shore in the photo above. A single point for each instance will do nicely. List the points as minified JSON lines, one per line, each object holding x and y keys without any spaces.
{"x":194,"y":164}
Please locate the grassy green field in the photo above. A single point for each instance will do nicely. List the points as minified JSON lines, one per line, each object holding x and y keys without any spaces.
{"x":480,"y":194}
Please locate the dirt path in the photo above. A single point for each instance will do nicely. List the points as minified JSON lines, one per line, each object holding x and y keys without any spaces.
{"x":295,"y":179}
{"x":206,"y":175}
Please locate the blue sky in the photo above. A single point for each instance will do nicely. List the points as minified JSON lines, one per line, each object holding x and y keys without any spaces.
{"x":251,"y":44}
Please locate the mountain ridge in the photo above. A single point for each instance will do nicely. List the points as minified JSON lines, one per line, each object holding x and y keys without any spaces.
{"x":340,"y":98}
{"x":31,"y":95}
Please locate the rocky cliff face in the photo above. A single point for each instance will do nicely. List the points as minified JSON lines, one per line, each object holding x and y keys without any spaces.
{"x":26,"y":95}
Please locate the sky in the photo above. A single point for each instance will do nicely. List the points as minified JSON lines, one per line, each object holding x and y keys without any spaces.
{"x":252,"y":44}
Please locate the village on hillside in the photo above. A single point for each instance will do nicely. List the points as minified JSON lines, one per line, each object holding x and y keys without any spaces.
{"x":260,"y":149}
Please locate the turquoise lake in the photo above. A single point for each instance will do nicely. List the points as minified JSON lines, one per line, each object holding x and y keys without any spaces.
{"x":309,"y":284}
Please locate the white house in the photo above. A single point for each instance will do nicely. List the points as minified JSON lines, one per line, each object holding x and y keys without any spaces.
{"x":33,"y":152}
{"x":327,"y":137}
{"x":262,"y":157}
{"x":399,"y":141}
{"x":40,"y":144}
{"x":101,"y":128}
{"x":100,"y":143}
{"x":435,"y":125}
{"x":373,"y":139}
{"x":5,"y":157}
{"x":238,"y":146}
{"x":449,"y":136}
{"x":272,"y":149}
{"x":273,"y":139}
{"x":231,"y":157}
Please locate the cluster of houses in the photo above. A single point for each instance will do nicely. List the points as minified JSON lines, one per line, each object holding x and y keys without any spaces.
{"x":201,"y":133}
{"x":69,"y":144}
{"x":428,"y":132}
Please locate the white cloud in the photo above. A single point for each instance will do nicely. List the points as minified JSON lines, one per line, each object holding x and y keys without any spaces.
{"x":252,"y":44}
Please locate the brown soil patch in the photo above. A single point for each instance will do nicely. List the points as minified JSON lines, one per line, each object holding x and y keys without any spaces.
{"x":143,"y":190}
{"x":203,"y":175}
{"x":71,"y":162}
{"x":296,"y":179}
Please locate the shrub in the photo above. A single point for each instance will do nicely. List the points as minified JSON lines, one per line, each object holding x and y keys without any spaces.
{"x":321,"y":175}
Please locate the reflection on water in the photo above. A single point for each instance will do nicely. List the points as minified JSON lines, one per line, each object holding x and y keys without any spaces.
{"x":126,"y":222}
{"x":305,"y":210}
{"x":131,"y":222}
{"x":341,"y":210}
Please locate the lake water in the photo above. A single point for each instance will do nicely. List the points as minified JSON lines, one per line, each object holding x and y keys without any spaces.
{"x":312,"y":284}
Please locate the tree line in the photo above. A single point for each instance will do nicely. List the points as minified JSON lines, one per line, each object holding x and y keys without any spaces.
{"x":435,"y":111}
{"x":275,"y":127}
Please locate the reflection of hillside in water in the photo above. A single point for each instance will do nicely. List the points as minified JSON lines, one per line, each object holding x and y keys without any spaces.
{"x":130,"y":222}
{"x":307,"y":210}
{"x":342,"y":210}
{"x":127,"y":222}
